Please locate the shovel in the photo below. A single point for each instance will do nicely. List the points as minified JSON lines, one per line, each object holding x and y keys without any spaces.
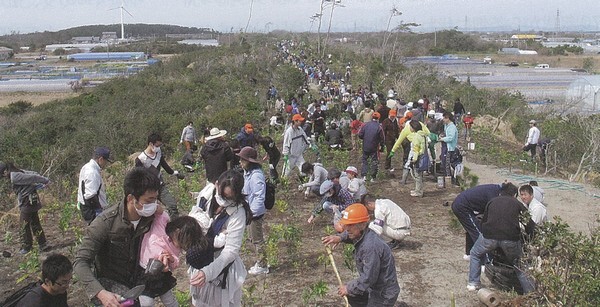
{"x":128,"y":299}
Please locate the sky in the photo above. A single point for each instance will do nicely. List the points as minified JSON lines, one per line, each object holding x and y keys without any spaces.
{"x":25,"y":16}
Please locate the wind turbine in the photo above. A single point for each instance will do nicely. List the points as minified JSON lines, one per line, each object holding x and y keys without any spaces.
{"x":122,"y":8}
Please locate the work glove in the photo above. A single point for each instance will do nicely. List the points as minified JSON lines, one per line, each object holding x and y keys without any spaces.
{"x":271,"y":166}
{"x":407,"y":164}
{"x":391,"y":154}
{"x":314,"y":147}
{"x":301,"y":188}
{"x":178,"y":175}
{"x":376,"y":226}
{"x":285,"y":158}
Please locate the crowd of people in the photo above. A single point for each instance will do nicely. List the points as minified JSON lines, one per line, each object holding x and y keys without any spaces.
{"x":139,"y":242}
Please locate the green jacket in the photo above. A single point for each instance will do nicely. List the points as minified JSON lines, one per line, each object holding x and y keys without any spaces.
{"x":113,"y":246}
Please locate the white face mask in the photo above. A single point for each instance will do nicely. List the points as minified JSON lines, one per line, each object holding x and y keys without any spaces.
{"x":147,"y":209}
{"x":155,"y":149}
{"x":223,"y":202}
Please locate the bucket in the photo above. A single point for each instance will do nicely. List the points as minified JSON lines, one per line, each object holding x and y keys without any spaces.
{"x":471,"y":146}
{"x":441,"y":182}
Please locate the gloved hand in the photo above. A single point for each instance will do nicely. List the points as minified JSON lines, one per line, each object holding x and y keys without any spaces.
{"x":314,"y":147}
{"x":301,"y":188}
{"x":285,"y":158}
{"x":407,"y":164}
{"x":178,"y":175}
{"x":376,"y":226}
{"x":391,"y":154}
{"x":271,"y":166}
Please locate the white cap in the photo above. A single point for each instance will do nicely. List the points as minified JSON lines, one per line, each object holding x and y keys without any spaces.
{"x":421,"y":101}
{"x":410,"y":104}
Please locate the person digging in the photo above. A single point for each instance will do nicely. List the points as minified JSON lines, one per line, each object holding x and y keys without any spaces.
{"x":377,"y":284}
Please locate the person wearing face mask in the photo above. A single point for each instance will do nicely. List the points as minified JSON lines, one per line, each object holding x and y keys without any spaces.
{"x":112,"y":241}
{"x":153,"y":159}
{"x":221,"y":209}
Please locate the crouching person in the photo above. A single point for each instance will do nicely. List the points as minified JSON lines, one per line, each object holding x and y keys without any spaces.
{"x":391,"y":223}
{"x":377,"y":284}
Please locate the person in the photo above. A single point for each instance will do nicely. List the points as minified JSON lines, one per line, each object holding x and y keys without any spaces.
{"x":355,"y":126}
{"x":418,"y":148}
{"x":391,"y":223}
{"x":373,"y":138}
{"x":469,"y":205}
{"x":153,"y":159}
{"x":57,"y":272}
{"x":426,"y":103}
{"x":536,"y":209}
{"x":336,"y":176}
{"x":318,"y":174}
{"x":366,"y":114}
{"x":356,"y":186}
{"x":111,"y":242}
{"x":295,"y":142}
{"x":254,"y":189}
{"x":468,"y":122}
{"x":246,"y":136}
{"x":216,"y":153}
{"x":377,"y":282}
{"x":383,"y":111}
{"x":391,"y":130}
{"x":533,"y":136}
{"x":500,"y":228}
{"x":404,"y":142}
{"x":157,"y":245}
{"x":188,"y":161}
{"x":335,"y":199}
{"x":450,"y":140}
{"x":318,"y":119}
{"x":188,"y":136}
{"x":538,"y":192}
{"x":459,"y":110}
{"x":334,"y":137}
{"x":273,"y":154}
{"x":26,"y":184}
{"x":220,"y":282}
{"x":91,"y":190}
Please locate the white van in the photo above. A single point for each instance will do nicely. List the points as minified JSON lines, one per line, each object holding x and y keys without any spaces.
{"x":542,"y":66}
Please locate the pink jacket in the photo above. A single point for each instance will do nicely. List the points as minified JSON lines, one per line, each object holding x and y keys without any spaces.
{"x":156,"y":240}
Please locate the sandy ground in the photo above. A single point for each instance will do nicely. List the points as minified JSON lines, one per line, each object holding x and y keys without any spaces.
{"x":35,"y":98}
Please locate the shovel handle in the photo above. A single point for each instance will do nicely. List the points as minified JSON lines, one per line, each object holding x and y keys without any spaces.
{"x":335,"y":270}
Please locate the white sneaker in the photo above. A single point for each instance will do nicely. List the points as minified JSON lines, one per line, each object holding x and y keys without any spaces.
{"x":467,"y":257}
{"x":257,"y":270}
{"x":471,"y":287}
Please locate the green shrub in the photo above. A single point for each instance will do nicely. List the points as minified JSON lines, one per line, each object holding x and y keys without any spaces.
{"x":566,"y":265}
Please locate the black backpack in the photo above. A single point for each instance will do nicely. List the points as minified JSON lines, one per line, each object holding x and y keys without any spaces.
{"x":14,"y":299}
{"x":270,"y":195}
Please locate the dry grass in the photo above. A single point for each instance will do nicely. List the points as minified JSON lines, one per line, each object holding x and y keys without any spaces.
{"x":7,"y":98}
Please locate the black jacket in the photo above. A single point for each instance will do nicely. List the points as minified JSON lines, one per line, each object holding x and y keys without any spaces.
{"x":215,"y":153}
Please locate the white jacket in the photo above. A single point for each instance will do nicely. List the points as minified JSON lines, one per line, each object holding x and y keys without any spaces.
{"x":92,"y":181}
{"x":391,"y":214}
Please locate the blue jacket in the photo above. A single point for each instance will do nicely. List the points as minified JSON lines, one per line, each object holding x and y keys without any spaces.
{"x":476,"y":198}
{"x":254,"y":189}
{"x":372,"y":135}
{"x":451,"y":138}
{"x":246,"y":139}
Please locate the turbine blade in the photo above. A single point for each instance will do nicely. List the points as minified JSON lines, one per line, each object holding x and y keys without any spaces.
{"x":124,"y":9}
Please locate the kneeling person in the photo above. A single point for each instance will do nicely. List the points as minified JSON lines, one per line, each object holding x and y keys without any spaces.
{"x":391,"y":223}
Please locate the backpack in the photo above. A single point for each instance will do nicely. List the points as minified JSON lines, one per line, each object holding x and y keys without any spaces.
{"x":269,"y":195}
{"x":14,"y":299}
